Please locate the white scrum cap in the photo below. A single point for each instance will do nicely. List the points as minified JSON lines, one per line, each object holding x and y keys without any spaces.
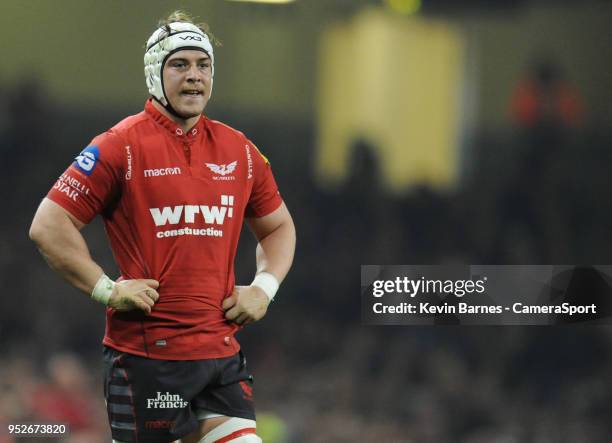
{"x":164,"y":42}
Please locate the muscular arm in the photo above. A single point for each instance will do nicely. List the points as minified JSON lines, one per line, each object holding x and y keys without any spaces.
{"x":57,"y":234}
{"x":275,"y":234}
{"x":276,"y":238}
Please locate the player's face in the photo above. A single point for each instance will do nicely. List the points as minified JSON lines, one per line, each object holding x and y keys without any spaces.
{"x":187,"y":79}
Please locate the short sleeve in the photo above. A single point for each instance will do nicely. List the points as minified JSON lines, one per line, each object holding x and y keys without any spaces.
{"x":93,"y":180}
{"x":265,"y":197}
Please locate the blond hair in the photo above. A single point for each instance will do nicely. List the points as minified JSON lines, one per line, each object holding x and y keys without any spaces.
{"x":183,"y":16}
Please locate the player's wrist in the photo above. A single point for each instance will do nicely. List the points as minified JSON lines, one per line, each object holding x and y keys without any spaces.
{"x":268,"y":283}
{"x":103,"y":290}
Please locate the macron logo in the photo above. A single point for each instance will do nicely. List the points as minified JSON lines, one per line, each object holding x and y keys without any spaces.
{"x":162,"y":171}
{"x":173,"y":215}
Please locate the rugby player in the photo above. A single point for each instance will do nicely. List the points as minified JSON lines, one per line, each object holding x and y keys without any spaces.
{"x":173,"y":188}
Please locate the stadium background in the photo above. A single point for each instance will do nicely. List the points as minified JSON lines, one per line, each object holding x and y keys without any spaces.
{"x":397,"y":137}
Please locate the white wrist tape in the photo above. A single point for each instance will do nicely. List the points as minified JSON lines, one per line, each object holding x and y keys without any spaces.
{"x":267,"y":283}
{"x":103,"y":289}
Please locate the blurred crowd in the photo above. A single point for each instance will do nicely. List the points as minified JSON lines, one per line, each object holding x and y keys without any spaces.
{"x":533,"y":193}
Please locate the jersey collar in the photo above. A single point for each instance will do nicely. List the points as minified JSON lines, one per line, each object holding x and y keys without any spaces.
{"x":172,"y":127}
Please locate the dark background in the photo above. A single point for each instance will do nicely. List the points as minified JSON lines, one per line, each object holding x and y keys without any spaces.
{"x":531,"y":187}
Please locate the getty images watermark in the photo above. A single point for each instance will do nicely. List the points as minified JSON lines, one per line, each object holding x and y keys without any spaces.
{"x":486,"y":295}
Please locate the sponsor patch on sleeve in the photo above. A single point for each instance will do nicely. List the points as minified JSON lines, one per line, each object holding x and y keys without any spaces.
{"x":262,"y":156}
{"x":87,"y":159}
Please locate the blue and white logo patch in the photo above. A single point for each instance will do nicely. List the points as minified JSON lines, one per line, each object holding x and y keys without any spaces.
{"x":86,"y":160}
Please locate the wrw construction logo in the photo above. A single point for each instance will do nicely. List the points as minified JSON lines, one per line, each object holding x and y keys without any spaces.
{"x":166,"y":401}
{"x":191,"y":214}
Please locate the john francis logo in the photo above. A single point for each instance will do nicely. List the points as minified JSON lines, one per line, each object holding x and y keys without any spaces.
{"x":166,"y":401}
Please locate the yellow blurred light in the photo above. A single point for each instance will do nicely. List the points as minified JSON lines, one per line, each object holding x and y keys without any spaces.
{"x":405,"y":7}
{"x":274,"y":2}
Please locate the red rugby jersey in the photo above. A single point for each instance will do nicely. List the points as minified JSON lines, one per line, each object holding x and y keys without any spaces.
{"x":173,"y":205}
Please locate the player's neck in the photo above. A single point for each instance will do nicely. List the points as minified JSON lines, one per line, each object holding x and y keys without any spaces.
{"x":184,"y":124}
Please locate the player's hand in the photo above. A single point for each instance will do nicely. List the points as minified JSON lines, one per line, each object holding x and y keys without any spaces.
{"x":247,"y":304}
{"x":134,"y":294}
